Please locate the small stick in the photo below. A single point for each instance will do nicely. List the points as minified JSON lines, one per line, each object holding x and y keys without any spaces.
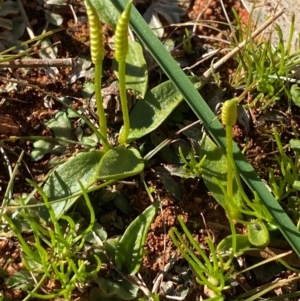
{"x":224,"y":59}
{"x":37,"y":63}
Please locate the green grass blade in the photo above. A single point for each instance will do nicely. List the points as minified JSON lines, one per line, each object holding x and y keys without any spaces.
{"x":215,"y":129}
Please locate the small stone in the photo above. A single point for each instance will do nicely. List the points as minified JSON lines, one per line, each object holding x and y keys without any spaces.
{"x":197,"y":200}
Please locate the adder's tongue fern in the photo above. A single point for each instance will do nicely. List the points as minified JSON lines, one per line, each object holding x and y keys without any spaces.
{"x":96,"y":34}
{"x":229,"y":118}
{"x":97,"y":55}
{"x":121,"y":44}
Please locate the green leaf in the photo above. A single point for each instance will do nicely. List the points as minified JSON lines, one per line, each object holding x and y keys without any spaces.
{"x":121,"y":203}
{"x":295,"y":93}
{"x":63,"y":182}
{"x":109,"y":246}
{"x":53,"y":18}
{"x":168,"y":181}
{"x":136,"y":69}
{"x":9,"y":8}
{"x":295,"y":144}
{"x":6,"y":24}
{"x":108,"y":286}
{"x":61,"y":126}
{"x":120,"y":162}
{"x":106,"y":12}
{"x":99,"y":231}
{"x":149,"y":113}
{"x":258,"y":234}
{"x":296,"y":185}
{"x":87,"y":90}
{"x":242,"y":244}
{"x":116,"y":288}
{"x":215,"y":166}
{"x":18,"y":27}
{"x":43,"y":147}
{"x":21,"y":280}
{"x":130,"y":250}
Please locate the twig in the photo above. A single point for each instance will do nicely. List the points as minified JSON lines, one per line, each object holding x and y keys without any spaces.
{"x":9,"y":168}
{"x":36,"y":63}
{"x":224,"y":59}
{"x":200,"y":15}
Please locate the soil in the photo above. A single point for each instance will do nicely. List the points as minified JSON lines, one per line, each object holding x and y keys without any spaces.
{"x":25,"y":110}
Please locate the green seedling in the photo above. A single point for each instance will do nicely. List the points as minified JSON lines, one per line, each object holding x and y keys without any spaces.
{"x":229,"y":118}
{"x":232,"y":198}
{"x":187,"y":45}
{"x":258,"y":233}
{"x":130,"y":249}
{"x":213,"y":271}
{"x":55,"y":255}
{"x":284,"y":186}
{"x":193,"y":166}
{"x":271,"y":68}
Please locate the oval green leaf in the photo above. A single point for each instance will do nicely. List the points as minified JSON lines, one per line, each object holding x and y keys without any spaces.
{"x":242,"y":244}
{"x":115,"y":289}
{"x":258,"y":234}
{"x":149,"y":113}
{"x":120,"y":162}
{"x":215,"y":166}
{"x":63,"y":182}
{"x":107,"y":12}
{"x":130,"y":250}
{"x":295,"y":144}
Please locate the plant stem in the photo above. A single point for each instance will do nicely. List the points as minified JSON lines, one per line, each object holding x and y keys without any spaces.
{"x":123,"y":97}
{"x":229,"y":152}
{"x":229,"y":117}
{"x":99,"y":104}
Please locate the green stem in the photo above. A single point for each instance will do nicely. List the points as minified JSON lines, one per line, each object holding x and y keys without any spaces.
{"x":37,"y":286}
{"x":229,"y":152}
{"x":24,"y":246}
{"x":123,"y":97}
{"x":230,"y":172}
{"x":229,"y":117}
{"x":99,"y":104}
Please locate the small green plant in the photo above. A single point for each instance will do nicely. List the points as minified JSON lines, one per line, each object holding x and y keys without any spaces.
{"x":187,"y":45}
{"x":56,"y":255}
{"x":213,"y":271}
{"x":97,"y":54}
{"x":283,"y":185}
{"x":258,"y":233}
{"x":233,"y":199}
{"x":270,"y":67}
{"x":216,"y":271}
{"x":229,"y":118}
{"x":63,"y":252}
